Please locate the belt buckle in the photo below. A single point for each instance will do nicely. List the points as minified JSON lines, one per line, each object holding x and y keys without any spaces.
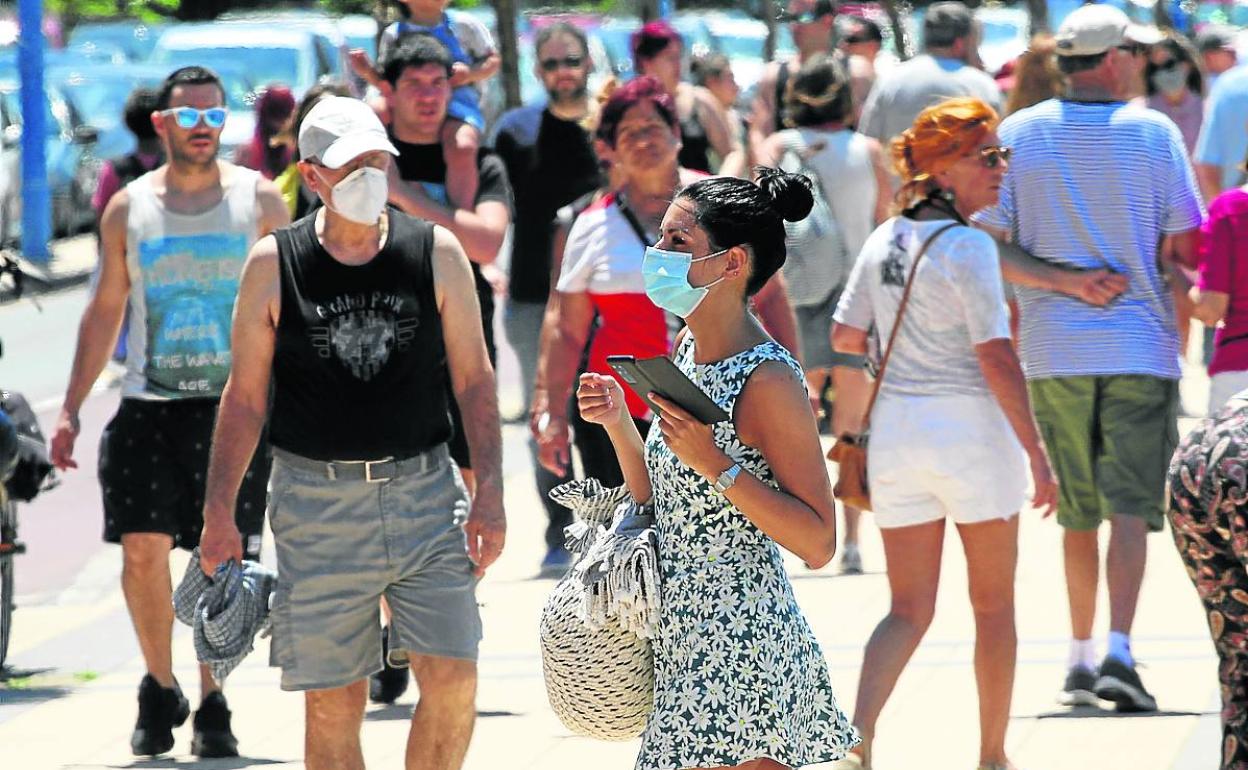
{"x":368,"y":470}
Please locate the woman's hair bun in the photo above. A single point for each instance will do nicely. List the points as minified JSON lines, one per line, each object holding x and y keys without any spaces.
{"x":791,"y":194}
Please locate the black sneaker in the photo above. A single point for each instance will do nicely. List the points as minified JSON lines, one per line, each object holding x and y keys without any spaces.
{"x":160,"y":710}
{"x":391,"y":681}
{"x":1080,"y":688}
{"x":1119,"y":683}
{"x":213,"y":737}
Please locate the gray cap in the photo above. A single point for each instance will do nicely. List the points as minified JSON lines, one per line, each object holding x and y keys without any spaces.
{"x":945,"y":23}
{"x":1215,"y":38}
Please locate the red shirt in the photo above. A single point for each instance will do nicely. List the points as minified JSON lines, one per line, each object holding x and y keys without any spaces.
{"x":1224,"y":268}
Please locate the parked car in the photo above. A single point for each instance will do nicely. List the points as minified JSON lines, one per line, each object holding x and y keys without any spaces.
{"x":268,"y":54}
{"x":73,"y":167}
{"x":98,"y":95}
{"x":361,"y":32}
{"x":135,"y":38}
{"x":329,"y":39}
{"x":1004,"y":35}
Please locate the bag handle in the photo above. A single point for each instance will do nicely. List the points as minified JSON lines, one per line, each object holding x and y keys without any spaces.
{"x":901,"y":311}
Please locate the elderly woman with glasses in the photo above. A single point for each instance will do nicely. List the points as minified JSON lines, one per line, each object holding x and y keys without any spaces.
{"x":952,"y":434}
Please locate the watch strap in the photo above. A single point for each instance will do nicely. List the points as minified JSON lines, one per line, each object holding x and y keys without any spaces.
{"x":727,"y":478}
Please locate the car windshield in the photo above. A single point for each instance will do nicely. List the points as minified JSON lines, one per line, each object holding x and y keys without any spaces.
{"x":999,"y":32}
{"x":747,"y":47}
{"x":263,"y":65}
{"x":102,"y":101}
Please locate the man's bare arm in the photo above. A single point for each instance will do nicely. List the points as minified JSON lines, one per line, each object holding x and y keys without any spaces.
{"x":480,"y":230}
{"x":244,"y":402}
{"x":472,"y":379}
{"x":273,"y":210}
{"x":1209,"y":177}
{"x":1096,"y":287}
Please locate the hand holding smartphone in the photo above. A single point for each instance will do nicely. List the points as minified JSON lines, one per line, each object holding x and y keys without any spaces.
{"x":660,"y":375}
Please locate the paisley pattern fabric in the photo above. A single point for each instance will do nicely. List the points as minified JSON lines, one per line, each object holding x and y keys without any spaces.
{"x":738,"y":672}
{"x":1208,"y":491}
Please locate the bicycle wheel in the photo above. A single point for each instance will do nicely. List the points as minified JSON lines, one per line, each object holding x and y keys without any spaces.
{"x":8,"y":538}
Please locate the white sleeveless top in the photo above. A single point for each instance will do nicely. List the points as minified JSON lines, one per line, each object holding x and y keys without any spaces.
{"x":184,"y":274}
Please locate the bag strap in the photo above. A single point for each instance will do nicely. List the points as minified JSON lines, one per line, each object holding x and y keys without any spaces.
{"x":901,"y":311}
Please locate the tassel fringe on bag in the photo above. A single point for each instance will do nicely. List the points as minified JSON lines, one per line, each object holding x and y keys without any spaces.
{"x":596,"y":625}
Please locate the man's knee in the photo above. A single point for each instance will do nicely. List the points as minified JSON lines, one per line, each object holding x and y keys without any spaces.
{"x":145,"y":553}
{"x":336,"y":708}
{"x":442,"y":678}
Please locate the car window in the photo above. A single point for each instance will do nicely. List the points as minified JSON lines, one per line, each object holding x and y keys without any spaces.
{"x":263,"y":65}
{"x":323,"y":58}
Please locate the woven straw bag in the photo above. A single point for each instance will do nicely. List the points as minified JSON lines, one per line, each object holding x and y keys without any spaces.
{"x":596,"y":626}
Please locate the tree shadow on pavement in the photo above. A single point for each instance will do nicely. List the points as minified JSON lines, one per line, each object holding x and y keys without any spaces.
{"x":230,"y":763}
{"x":1093,"y":712}
{"x":403,"y":711}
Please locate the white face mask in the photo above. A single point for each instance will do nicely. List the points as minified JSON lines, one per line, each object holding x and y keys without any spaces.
{"x":361,"y":195}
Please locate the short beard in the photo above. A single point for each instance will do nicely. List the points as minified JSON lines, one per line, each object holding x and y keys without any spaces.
{"x":182,"y":159}
{"x":572,"y":97}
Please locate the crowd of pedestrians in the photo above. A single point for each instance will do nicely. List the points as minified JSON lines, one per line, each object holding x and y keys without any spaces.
{"x":994,"y":275}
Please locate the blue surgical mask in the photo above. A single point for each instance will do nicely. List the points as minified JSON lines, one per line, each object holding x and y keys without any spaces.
{"x":666,"y":275}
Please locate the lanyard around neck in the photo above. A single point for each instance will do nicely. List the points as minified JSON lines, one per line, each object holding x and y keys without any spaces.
{"x":633,"y":221}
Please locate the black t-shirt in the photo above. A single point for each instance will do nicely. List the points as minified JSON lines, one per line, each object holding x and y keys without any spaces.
{"x":426,"y":164}
{"x":550,"y":162}
{"x":358,"y":368}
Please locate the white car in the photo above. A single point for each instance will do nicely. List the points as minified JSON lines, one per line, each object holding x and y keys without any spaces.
{"x":269,"y":53}
{"x":1004,"y":35}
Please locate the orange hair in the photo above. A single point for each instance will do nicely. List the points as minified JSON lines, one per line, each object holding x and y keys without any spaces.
{"x":941,"y":135}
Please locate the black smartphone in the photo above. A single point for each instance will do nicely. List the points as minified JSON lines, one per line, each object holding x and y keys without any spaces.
{"x":660,"y":375}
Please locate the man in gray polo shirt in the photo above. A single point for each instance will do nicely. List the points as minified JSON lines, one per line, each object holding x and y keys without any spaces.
{"x":1096,"y":183}
{"x":945,"y":69}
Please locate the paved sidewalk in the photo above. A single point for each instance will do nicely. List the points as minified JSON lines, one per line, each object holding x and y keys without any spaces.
{"x":79,"y":714}
{"x":72,"y":262}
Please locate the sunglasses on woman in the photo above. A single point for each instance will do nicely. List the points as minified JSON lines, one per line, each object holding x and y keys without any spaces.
{"x":189,"y":117}
{"x":570,"y":62}
{"x":992,"y":157}
{"x":1168,"y":64}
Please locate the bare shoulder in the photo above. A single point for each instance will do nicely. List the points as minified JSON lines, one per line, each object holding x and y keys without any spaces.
{"x":446,"y":246}
{"x":117,"y":210}
{"x":771,"y":386}
{"x":262,"y":261}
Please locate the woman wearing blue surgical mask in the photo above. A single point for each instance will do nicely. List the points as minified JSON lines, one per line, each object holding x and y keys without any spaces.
{"x":740,"y":680}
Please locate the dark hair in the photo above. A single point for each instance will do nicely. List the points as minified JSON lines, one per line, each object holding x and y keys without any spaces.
{"x":859,"y":27}
{"x":1181,"y":50}
{"x":946,"y":23}
{"x":546,"y":34}
{"x":737,"y":212}
{"x":140,"y":105}
{"x":819,"y":93}
{"x":193,"y":75}
{"x":630,"y":95}
{"x":310,"y":98}
{"x":709,"y":66}
{"x":1073,"y":65}
{"x":415,"y":50}
{"x":653,"y":37}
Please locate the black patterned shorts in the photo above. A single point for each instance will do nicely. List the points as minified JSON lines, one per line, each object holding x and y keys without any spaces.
{"x":154,"y":467}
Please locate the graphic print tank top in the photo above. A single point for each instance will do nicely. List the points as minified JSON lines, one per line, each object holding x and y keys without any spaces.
{"x":184,"y":272}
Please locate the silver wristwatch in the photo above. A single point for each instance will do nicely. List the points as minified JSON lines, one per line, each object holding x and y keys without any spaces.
{"x":727,"y":479}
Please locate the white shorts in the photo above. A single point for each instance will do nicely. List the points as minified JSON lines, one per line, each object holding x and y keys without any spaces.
{"x":1222,"y":386}
{"x":935,"y":456}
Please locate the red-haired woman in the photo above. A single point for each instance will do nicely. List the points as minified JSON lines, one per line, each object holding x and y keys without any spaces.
{"x":266,"y":152}
{"x":952,"y":427}
{"x":704,"y":125}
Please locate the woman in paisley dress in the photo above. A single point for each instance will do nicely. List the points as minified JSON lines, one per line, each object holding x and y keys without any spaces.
{"x":1209,"y":518}
{"x":740,"y":680}
{"x":952,"y":433}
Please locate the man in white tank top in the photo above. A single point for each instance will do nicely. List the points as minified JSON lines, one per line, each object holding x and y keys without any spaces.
{"x":172,"y":244}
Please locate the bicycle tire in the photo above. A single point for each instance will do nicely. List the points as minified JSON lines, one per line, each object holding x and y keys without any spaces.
{"x":8,"y":526}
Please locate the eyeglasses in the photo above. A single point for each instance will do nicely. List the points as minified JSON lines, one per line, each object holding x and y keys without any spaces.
{"x":1168,"y":64}
{"x":189,"y":117}
{"x":992,"y":157}
{"x":570,"y":62}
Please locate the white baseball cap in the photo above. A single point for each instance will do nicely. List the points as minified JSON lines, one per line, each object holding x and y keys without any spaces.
{"x":339,"y":129}
{"x":1094,"y":29}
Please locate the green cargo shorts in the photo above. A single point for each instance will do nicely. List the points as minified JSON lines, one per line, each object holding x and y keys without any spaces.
{"x":1110,"y":439}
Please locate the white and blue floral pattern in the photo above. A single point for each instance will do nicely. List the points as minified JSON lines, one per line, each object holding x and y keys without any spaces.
{"x":738,"y":672}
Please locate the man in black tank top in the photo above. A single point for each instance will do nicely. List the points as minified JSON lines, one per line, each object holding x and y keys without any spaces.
{"x":358,"y":316}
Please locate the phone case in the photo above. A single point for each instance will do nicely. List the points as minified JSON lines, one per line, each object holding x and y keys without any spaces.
{"x":660,"y":375}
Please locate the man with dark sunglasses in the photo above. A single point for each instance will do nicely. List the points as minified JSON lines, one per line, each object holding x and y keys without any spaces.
{"x":172,"y":244}
{"x":551,"y":162}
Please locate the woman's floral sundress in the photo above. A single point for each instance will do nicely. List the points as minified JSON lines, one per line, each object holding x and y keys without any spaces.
{"x":738,"y":672}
